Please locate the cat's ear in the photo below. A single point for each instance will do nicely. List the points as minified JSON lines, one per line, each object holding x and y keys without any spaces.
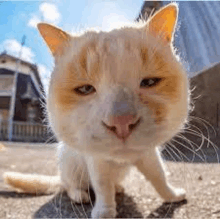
{"x":55,"y":38}
{"x":163,"y":23}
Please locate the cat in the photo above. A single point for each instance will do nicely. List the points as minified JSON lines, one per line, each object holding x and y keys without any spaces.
{"x":114,"y":97}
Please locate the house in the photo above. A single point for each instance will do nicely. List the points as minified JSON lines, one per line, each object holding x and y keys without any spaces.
{"x":21,"y":99}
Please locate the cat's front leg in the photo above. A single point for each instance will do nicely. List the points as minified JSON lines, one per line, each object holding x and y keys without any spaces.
{"x":151,"y":165}
{"x":103,"y":183}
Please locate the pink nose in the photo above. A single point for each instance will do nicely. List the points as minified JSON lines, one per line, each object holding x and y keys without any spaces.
{"x":122,"y":126}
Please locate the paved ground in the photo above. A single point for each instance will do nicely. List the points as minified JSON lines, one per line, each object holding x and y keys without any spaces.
{"x":200,"y":179}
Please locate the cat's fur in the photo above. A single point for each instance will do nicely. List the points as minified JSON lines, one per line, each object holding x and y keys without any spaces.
{"x":97,"y":144}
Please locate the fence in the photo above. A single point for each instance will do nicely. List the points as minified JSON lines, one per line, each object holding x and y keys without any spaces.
{"x":25,"y":132}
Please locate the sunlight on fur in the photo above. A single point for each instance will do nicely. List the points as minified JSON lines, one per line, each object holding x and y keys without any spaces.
{"x":114,"y":98}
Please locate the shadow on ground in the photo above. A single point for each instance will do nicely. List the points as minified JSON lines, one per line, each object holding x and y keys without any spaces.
{"x":7,"y":194}
{"x":62,"y":207}
{"x":166,"y":210}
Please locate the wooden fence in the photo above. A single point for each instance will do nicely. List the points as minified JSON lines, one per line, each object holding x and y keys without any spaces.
{"x":25,"y":132}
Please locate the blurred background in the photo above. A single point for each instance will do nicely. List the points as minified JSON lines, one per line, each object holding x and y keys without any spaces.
{"x":25,"y":68}
{"x":26,"y":63}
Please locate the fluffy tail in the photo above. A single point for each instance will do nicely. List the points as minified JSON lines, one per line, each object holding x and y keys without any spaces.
{"x":32,"y":183}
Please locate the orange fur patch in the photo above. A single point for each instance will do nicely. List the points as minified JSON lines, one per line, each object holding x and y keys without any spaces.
{"x":97,"y":58}
{"x":82,"y":69}
{"x":160,"y":64}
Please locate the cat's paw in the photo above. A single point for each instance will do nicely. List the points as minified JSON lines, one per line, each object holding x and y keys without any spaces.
{"x":104,"y":212}
{"x":79,"y":196}
{"x":176,"y":195}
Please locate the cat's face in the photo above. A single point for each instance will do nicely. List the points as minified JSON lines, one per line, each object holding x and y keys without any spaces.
{"x":119,"y":92}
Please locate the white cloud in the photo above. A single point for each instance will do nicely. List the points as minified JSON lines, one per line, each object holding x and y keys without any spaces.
{"x":50,"y":13}
{"x":106,"y":14}
{"x":33,"y":21}
{"x":13,"y":47}
{"x":113,"y":20}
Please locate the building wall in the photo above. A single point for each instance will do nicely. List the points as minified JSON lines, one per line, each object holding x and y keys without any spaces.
{"x":6,"y":83}
{"x":22,"y":108}
{"x":11,"y":65}
{"x":205,"y":95}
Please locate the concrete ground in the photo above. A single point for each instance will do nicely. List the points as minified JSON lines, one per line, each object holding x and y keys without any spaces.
{"x":200,"y":179}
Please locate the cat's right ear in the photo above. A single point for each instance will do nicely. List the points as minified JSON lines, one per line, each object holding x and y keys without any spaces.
{"x":55,"y":38}
{"x":163,"y":23}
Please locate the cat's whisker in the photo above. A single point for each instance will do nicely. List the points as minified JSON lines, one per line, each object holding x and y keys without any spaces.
{"x":90,"y":200}
{"x":193,"y":132}
{"x":151,"y":13}
{"x":88,"y":185}
{"x":73,"y":176}
{"x":80,"y":183}
{"x":204,"y":122}
{"x":183,"y":155}
{"x":50,"y":138}
{"x":73,"y":205}
{"x":167,"y":150}
{"x":57,"y":205}
{"x":173,"y":148}
{"x":201,"y":135}
{"x":190,"y":148}
{"x":194,"y":153}
{"x":186,"y":183}
{"x":60,"y":204}
{"x":170,"y":147}
{"x":201,"y":131}
{"x":191,"y":143}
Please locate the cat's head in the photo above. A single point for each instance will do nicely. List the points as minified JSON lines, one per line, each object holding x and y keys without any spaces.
{"x":117,"y":92}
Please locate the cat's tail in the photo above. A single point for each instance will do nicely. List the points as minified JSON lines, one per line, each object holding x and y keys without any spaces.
{"x":32,"y":183}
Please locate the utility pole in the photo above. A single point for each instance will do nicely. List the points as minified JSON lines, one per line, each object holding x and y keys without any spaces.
{"x":13,"y":93}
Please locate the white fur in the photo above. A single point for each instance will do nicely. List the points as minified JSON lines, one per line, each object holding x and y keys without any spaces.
{"x":90,"y":155}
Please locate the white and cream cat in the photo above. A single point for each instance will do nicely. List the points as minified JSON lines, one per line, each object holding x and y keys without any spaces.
{"x":114,"y":97}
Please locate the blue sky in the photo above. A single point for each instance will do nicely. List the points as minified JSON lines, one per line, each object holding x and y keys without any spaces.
{"x":20,"y":17}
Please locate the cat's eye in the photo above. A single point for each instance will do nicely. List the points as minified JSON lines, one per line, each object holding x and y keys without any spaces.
{"x":85,"y":89}
{"x":150,"y":82}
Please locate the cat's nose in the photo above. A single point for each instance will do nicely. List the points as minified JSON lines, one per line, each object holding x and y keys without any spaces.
{"x":122,"y":126}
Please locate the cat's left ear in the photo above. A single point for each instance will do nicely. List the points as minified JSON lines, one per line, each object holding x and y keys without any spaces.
{"x":55,"y":38}
{"x":163,"y":23}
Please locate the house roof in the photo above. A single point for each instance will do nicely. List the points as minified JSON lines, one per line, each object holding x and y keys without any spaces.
{"x":33,"y":67}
